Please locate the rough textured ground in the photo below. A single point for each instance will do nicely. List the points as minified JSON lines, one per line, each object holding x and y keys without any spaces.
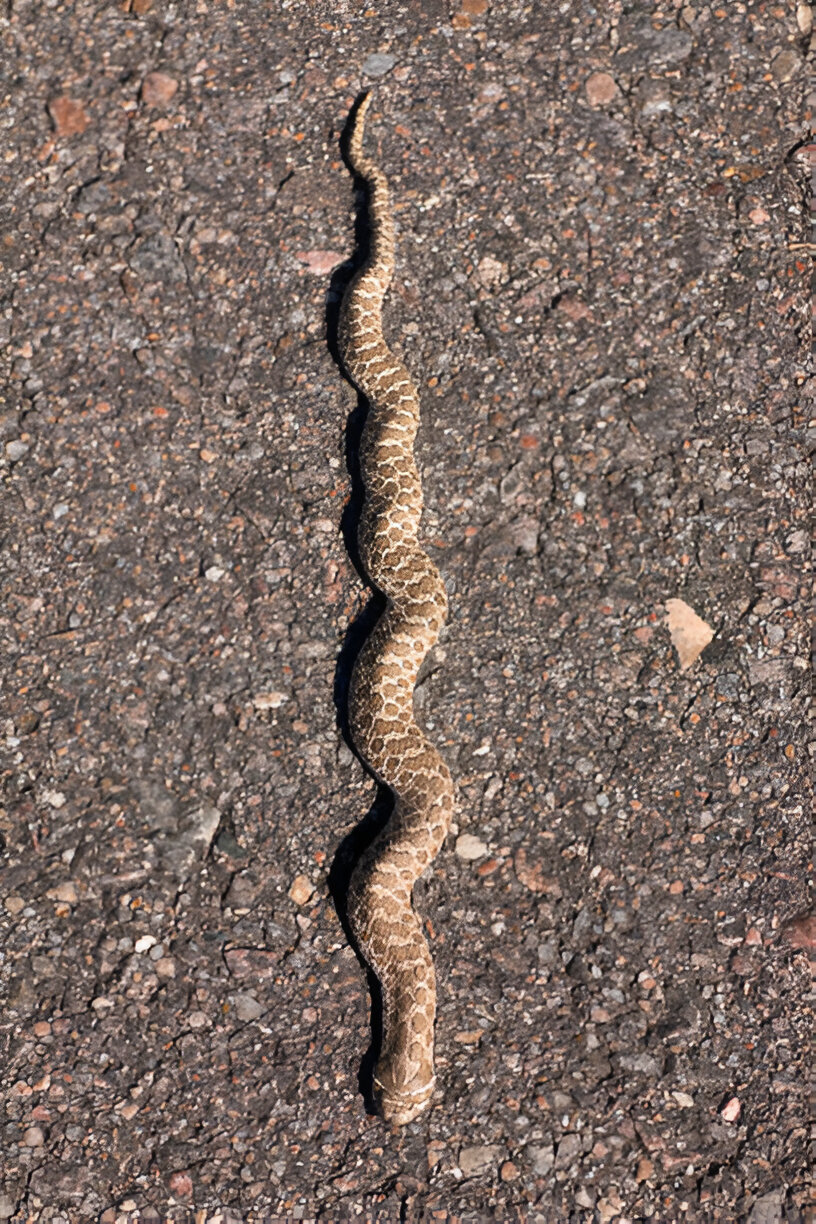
{"x":602,"y":292}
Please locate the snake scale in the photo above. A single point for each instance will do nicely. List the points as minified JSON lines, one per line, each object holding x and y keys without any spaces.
{"x":381,"y":709}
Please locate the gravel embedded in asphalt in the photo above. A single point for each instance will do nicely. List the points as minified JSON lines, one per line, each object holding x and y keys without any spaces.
{"x":602,"y":293}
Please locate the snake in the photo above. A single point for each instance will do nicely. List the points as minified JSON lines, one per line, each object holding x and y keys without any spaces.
{"x":381,"y":719}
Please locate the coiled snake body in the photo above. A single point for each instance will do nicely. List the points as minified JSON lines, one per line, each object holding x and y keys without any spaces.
{"x":381,"y":713}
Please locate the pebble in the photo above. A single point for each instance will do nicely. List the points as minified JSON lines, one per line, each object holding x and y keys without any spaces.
{"x":646,"y":1064}
{"x":654,"y":98}
{"x":645,"y":1169}
{"x":513,"y":483}
{"x":269,"y":701}
{"x":666,"y":46}
{"x":727,"y":685}
{"x":801,"y":933}
{"x":7,"y":1208}
{"x":301,"y":890}
{"x":378,"y":64}
{"x":180,"y":851}
{"x":27,"y":722}
{"x":741,"y":964}
{"x":768,"y":1208}
{"x":181,"y":1184}
{"x":569,"y":1148}
{"x":470,"y":848}
{"x":435,"y":1151}
{"x":683,"y":1100}
{"x":16,"y":449}
{"x":478,"y":1159}
{"x":600,"y":88}
{"x":158,"y":89}
{"x":491,"y":272}
{"x":33,"y":1137}
{"x":320,"y":262}
{"x":247,"y":1007}
{"x":785,"y":66}
{"x":689,"y":632}
{"x":547,"y":952}
{"x":608,"y":1208}
{"x":255,"y":963}
{"x":731,"y":1110}
{"x":198,"y":1020}
{"x":66,"y":891}
{"x":469,"y":1036}
{"x":531,"y":874}
{"x":541,"y":1159}
{"x":68,"y":116}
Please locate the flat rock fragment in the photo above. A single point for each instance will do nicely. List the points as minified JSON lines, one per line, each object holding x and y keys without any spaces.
{"x":689,"y":632}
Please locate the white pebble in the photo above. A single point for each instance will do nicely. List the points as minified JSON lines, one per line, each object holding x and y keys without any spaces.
{"x":268,"y":701}
{"x":469,"y":847}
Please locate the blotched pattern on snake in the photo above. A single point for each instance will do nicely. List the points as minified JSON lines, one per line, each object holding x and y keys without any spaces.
{"x":381,"y":710}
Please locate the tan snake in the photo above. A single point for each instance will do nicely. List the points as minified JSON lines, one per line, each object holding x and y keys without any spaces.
{"x":381,"y":709}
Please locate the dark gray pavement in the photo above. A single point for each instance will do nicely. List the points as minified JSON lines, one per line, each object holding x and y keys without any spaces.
{"x":602,"y":292}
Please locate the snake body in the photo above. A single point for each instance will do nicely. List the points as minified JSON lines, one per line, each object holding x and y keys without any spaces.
{"x":381,"y":711}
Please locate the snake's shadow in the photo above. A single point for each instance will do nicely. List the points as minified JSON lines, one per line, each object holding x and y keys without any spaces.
{"x":361,"y":836}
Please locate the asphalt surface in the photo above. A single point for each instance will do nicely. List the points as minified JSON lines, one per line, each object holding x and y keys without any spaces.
{"x":602,"y":292}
